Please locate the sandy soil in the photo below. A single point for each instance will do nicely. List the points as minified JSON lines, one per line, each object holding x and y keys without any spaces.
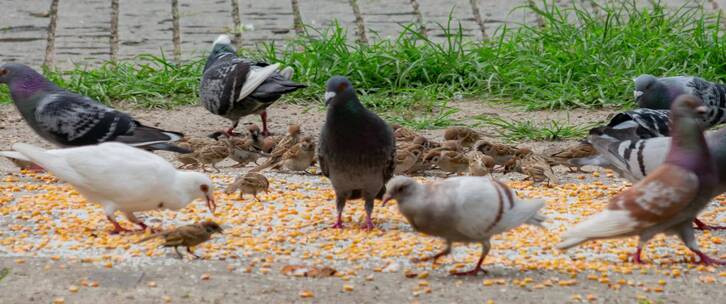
{"x":38,"y":277}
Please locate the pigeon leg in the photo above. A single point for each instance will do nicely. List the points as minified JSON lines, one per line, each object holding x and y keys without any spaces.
{"x":176,"y":248}
{"x":192,"y":253}
{"x":703,"y":226}
{"x":369,"y":211}
{"x":685,"y":232}
{"x":485,"y":246}
{"x":230,"y":131}
{"x":132,"y":218}
{"x":636,"y":255}
{"x":434,"y":257}
{"x":263,"y":116}
{"x":116,"y":227}
{"x":339,"y":206}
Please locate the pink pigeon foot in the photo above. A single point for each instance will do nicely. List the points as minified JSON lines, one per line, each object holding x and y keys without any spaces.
{"x":706,"y":260}
{"x":116,"y":227}
{"x":472,"y":272}
{"x":636,"y":256}
{"x":263,"y":117}
{"x":703,"y":226}
{"x":368,"y":225}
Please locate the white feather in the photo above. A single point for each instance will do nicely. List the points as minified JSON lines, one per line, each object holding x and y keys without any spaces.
{"x":255,"y":78}
{"x":606,"y":224}
{"x":222,"y":39}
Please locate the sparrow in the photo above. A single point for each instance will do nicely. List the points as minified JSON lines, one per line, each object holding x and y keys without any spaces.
{"x":287,"y":142}
{"x":250,"y":183}
{"x":500,"y":152}
{"x":480,"y":164}
{"x":187,"y":236}
{"x":405,"y":160}
{"x":467,"y":136}
{"x":402,"y":133}
{"x":581,"y":150}
{"x":452,"y":162}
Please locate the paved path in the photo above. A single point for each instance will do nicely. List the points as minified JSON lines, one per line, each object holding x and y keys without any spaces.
{"x":145,"y":26}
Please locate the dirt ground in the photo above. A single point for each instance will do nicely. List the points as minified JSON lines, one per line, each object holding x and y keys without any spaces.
{"x":252,"y":274}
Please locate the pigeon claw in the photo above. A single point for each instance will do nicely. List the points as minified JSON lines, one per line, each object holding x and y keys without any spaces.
{"x":703,"y":226}
{"x":706,"y":260}
{"x":338,"y":225}
{"x":636,"y":256}
{"x":472,"y":272}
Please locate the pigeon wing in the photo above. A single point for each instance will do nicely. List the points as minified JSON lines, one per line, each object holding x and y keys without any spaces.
{"x":75,"y":120}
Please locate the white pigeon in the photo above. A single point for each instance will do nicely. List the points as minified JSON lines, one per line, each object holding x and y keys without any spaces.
{"x":462,"y":209}
{"x":121,"y":177}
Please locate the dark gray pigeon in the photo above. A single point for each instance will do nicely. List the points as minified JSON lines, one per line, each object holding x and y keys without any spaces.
{"x":659,"y":93}
{"x":233,"y":87}
{"x":356,"y":150}
{"x":68,"y":119}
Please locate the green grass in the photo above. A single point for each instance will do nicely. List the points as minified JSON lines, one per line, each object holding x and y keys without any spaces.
{"x":577,"y":59}
{"x":517,"y":130}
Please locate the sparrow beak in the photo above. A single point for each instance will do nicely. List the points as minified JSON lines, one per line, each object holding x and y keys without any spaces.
{"x":210,"y":202}
{"x":701,"y":110}
{"x":638,"y":94}
{"x":328,"y":97}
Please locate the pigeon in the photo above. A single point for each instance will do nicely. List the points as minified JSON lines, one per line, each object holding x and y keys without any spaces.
{"x":68,"y":119}
{"x":250,"y":183}
{"x":283,"y":145}
{"x":669,"y":198}
{"x":659,"y":93}
{"x":234,"y":87}
{"x":120,"y":177}
{"x":187,"y":236}
{"x":356,"y":150}
{"x":636,"y":124}
{"x":462,"y":209}
{"x":634,"y":160}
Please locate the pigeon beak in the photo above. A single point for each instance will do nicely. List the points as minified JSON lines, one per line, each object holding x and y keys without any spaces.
{"x":210,"y":203}
{"x":386,"y":199}
{"x":637,"y":94}
{"x":702,"y":110}
{"x":328,"y":97}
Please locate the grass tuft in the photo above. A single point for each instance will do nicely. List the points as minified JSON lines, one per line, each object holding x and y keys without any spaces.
{"x":517,"y":130}
{"x":576,"y":59}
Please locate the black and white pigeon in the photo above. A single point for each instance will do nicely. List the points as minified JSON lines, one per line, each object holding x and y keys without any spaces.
{"x":636,"y":124}
{"x":659,"y":93}
{"x":68,"y":119}
{"x":234,"y":87}
{"x":356,"y":150}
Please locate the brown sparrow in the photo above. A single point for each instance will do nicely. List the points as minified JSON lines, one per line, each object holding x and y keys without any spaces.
{"x":250,"y":183}
{"x":187,"y":236}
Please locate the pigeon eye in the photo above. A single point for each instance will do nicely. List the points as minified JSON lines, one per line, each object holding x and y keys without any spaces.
{"x":204,"y":188}
{"x":3,"y":72}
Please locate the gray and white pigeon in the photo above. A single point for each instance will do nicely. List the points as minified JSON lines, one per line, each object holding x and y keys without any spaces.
{"x":659,"y":93}
{"x":121,"y":178}
{"x":669,"y":198}
{"x":356,"y":150}
{"x":636,"y":124}
{"x":234,"y":87}
{"x":69,"y":119}
{"x":462,"y":209}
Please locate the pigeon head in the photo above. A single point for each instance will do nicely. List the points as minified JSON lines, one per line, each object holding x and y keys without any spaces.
{"x":222,"y":45}
{"x":194,"y":185}
{"x":688,"y":109}
{"x":339,"y":91}
{"x":400,"y":188}
{"x":212,"y":227}
{"x":22,"y":80}
{"x":651,"y":93}
{"x":688,"y":146}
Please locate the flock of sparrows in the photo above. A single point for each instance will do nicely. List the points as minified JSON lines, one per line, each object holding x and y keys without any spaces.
{"x":360,"y":154}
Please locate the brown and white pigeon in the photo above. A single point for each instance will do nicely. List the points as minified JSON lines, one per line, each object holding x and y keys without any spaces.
{"x":462,"y":209}
{"x":234,"y":87}
{"x":356,"y":150}
{"x":668,"y":199}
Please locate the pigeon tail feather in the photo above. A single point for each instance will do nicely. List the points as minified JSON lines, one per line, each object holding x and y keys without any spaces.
{"x":50,"y":162}
{"x":608,"y":223}
{"x":14,"y":155}
{"x":255,"y":78}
